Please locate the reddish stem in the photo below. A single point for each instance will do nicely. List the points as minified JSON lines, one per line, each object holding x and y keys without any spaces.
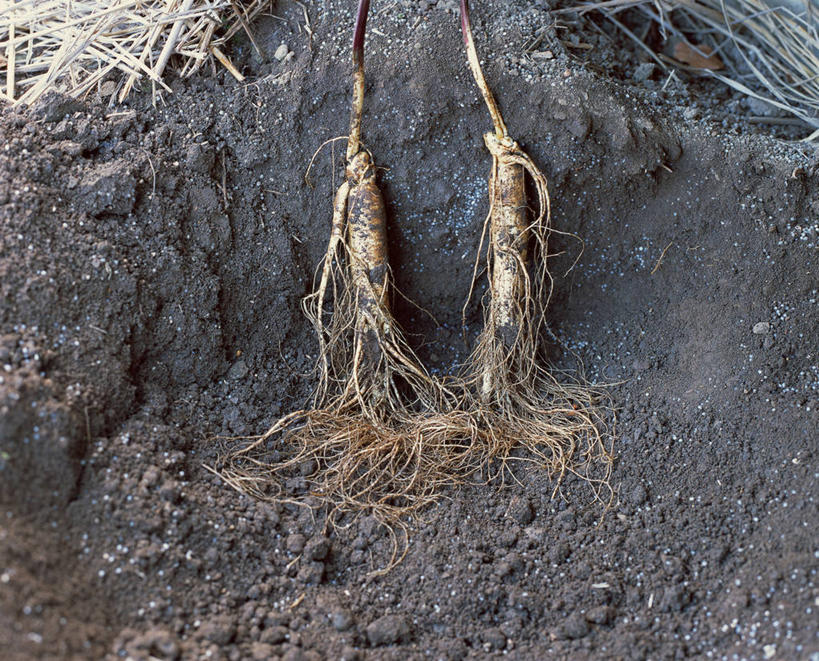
{"x":465,"y":27}
{"x":475,"y":66}
{"x":360,"y":30}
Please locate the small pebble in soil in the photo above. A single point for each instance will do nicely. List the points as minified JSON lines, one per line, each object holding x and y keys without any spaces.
{"x":388,"y":630}
{"x":761,"y":328}
{"x":281,"y":52}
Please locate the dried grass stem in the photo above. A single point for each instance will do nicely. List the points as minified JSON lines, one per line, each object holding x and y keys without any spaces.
{"x":73,"y":45}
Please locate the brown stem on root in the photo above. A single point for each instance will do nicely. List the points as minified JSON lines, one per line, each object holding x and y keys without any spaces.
{"x":357,"y":108}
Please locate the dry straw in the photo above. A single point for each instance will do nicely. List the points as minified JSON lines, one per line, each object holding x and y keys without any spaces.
{"x":770,"y":48}
{"x":73,"y":46}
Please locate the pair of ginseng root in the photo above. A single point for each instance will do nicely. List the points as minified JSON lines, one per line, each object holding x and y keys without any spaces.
{"x":383,"y":436}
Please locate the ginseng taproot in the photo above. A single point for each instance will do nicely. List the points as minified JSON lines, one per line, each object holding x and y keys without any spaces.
{"x":382,"y":436}
{"x":511,"y":392}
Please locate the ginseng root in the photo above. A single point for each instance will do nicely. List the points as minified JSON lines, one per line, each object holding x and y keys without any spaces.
{"x":513,"y":393}
{"x":366,"y":369}
{"x":364,"y":359}
{"x":382,"y":436}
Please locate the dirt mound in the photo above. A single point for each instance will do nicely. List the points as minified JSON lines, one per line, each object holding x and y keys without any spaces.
{"x":152,"y":260}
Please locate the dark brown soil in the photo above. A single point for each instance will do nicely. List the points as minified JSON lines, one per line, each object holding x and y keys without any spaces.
{"x":151,"y":265}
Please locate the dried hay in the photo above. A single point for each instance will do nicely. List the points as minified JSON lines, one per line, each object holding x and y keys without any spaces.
{"x":770,"y":48}
{"x":72,"y":46}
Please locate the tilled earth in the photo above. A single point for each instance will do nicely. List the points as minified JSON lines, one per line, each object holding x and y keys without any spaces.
{"x":152,"y":260}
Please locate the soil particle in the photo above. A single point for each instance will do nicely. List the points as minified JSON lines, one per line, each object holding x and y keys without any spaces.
{"x":41,"y":441}
{"x":638,"y":495}
{"x":559,"y":552}
{"x":507,"y":538}
{"x":281,"y":52}
{"x":53,"y":106}
{"x":342,"y":619}
{"x":520,"y":509}
{"x":275,"y":634}
{"x":317,"y":548}
{"x":600,"y":615}
{"x":311,"y":573}
{"x":349,"y":654}
{"x":573,"y":627}
{"x":295,"y":543}
{"x":388,"y":630}
{"x":261,"y":651}
{"x":238,"y":370}
{"x":493,"y":639}
{"x":297,"y":654}
{"x":110,"y":187}
{"x":219,"y":630}
{"x":674,"y":599}
{"x":761,"y":328}
{"x":154,"y":643}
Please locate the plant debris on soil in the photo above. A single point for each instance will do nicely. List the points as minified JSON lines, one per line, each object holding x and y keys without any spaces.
{"x":77,"y":46}
{"x":152,"y":263}
{"x":768,"y":52}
